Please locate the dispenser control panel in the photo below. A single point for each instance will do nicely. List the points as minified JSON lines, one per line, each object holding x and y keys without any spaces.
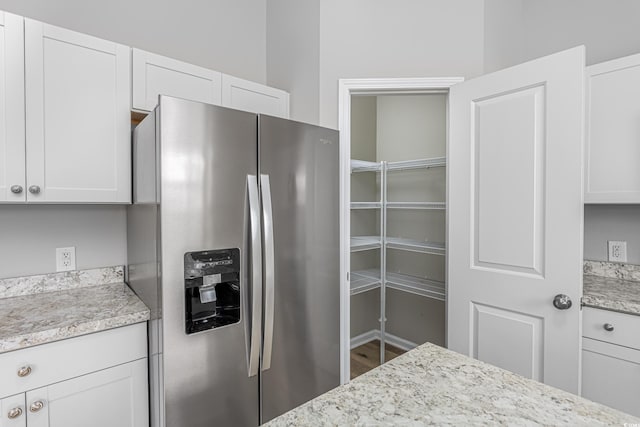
{"x":212,"y":289}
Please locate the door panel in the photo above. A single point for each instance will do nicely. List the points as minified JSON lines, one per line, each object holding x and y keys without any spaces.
{"x":250,"y":96}
{"x":492,"y":327}
{"x":12,"y":125}
{"x":13,"y":412}
{"x":78,"y":112}
{"x":206,"y":154}
{"x":302,"y":163}
{"x":515,"y":217}
{"x":112,"y":397}
{"x":155,"y":75}
{"x":508,"y":222}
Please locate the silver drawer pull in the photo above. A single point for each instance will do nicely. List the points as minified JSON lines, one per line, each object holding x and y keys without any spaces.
{"x":24,"y":371}
{"x":14,"y":413}
{"x":608,"y":327}
{"x":36,"y":406}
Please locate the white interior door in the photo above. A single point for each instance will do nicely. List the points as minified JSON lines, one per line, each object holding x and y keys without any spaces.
{"x":516,"y":218}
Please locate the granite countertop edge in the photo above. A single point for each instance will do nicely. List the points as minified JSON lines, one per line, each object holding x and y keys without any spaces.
{"x":77,"y":314}
{"x":613,"y":294}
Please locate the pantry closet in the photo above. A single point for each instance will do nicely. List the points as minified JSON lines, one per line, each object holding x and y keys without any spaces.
{"x":397,"y":219}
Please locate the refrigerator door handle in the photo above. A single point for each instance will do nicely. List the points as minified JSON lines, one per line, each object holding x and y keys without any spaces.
{"x":256,"y":275}
{"x":269,"y":271}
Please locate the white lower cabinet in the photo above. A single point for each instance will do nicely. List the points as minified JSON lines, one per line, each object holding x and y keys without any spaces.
{"x":611,"y":359}
{"x":112,"y":397}
{"x":12,"y":411}
{"x":97,"y":380}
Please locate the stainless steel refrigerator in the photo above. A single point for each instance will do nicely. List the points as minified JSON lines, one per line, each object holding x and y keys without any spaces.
{"x":233,"y":243}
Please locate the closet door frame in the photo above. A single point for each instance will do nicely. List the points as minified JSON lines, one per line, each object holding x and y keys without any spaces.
{"x":348,"y":88}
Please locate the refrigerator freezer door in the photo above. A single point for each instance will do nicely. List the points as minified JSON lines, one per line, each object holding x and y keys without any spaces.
{"x":302,"y":164}
{"x":206,"y":154}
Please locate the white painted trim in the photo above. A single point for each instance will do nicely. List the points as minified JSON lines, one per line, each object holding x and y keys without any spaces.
{"x":362,"y":339}
{"x":346,"y":88}
{"x":401,"y":343}
{"x":375,"y":334}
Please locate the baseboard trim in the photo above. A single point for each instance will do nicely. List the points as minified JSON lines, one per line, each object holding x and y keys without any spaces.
{"x":374,"y":334}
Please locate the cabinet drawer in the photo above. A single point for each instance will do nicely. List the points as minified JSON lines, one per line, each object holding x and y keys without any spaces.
{"x":625,"y":327}
{"x":61,"y":360}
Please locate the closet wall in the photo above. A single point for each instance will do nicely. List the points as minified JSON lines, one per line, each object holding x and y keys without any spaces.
{"x":396,"y":128}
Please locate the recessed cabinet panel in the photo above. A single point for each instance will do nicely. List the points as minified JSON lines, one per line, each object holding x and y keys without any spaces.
{"x":256,"y":98}
{"x":12,"y":125}
{"x":78,"y":117}
{"x":613,"y":131}
{"x":155,"y":75}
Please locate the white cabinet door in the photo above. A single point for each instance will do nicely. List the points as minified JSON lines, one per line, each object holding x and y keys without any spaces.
{"x":12,"y":151}
{"x":611,"y":375}
{"x":612,"y":150}
{"x":515,"y":217}
{"x":78,"y":117}
{"x":155,"y":75}
{"x":116,"y":396}
{"x":13,"y":412}
{"x":253,"y":97}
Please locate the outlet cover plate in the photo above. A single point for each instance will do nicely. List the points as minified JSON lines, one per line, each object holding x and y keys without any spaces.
{"x":66,"y":259}
{"x":617,"y":251}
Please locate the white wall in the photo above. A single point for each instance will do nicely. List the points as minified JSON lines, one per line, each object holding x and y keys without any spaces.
{"x":224,"y":35}
{"x":519,"y":30}
{"x":293,"y":61}
{"x":504,"y":41}
{"x":402,"y":38}
{"x":29,"y":236}
{"x":611,"y":222}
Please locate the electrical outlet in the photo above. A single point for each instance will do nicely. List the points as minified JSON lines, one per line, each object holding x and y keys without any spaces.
{"x":66,"y":259}
{"x":617,"y":251}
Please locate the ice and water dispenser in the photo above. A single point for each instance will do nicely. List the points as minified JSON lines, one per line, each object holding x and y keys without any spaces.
{"x":212,"y":289}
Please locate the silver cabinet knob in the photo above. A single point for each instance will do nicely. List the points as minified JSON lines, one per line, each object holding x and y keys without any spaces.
{"x":36,"y":406}
{"x":14,"y":413}
{"x":24,"y":371}
{"x":608,"y":327}
{"x":16,"y":189}
{"x":34,"y":189}
{"x":562,"y":302}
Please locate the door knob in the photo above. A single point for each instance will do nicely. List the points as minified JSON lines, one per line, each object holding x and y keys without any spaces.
{"x":34,"y":189}
{"x":562,"y":302}
{"x":608,"y":327}
{"x":16,"y":189}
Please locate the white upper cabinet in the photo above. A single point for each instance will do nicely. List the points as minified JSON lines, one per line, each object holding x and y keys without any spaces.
{"x":78,"y":117}
{"x":254,"y":97}
{"x":155,"y":75}
{"x":612,"y":150}
{"x":12,"y":125}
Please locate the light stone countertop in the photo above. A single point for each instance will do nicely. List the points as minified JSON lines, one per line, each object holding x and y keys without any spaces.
{"x":434,"y":386}
{"x":612,"y":286}
{"x":66,"y":306}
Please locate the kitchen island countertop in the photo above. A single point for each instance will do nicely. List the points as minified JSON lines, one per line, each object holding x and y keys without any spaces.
{"x":431,"y":385}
